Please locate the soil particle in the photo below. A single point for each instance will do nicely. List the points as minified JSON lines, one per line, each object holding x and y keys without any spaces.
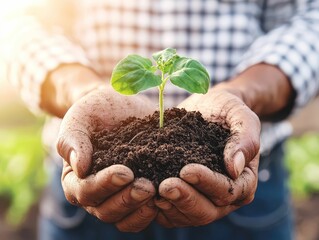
{"x":159,"y":153}
{"x":231,"y":188}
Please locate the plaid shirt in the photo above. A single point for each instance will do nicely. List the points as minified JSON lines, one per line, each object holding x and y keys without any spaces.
{"x":227,"y":36}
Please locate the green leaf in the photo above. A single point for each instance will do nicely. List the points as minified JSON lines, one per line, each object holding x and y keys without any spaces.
{"x":134,"y":74}
{"x":165,"y":55}
{"x":165,"y":59}
{"x":190,"y":75}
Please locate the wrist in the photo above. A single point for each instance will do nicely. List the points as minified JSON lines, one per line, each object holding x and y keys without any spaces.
{"x":265,"y":89}
{"x":65,"y":85}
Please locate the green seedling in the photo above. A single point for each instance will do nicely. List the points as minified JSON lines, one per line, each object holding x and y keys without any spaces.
{"x":134,"y":74}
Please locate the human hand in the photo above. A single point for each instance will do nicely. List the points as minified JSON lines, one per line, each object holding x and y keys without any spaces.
{"x":111,"y":195}
{"x":201,"y":195}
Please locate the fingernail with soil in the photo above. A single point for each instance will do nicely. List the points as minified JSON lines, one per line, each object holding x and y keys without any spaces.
{"x":120,"y":179}
{"x":239,"y":163}
{"x":173,"y":194}
{"x":139,"y":194}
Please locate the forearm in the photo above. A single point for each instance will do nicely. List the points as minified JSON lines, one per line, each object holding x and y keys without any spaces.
{"x":298,"y":60}
{"x":265,"y":89}
{"x":65,"y":85}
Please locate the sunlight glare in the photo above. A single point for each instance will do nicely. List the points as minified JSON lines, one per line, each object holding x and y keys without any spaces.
{"x":12,"y":7}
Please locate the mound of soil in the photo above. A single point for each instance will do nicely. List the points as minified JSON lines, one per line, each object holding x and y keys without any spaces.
{"x":157,"y":154}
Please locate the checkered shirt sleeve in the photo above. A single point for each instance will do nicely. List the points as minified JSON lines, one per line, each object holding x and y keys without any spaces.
{"x":31,"y":53}
{"x":294,"y":48}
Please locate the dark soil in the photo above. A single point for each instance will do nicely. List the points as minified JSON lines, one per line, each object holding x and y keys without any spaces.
{"x":157,"y":154}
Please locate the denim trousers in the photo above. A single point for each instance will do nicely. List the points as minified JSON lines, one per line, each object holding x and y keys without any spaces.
{"x":268,"y":217}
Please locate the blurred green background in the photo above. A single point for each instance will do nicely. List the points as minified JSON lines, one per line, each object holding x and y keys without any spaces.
{"x":22,"y":174}
{"x":302,"y":160}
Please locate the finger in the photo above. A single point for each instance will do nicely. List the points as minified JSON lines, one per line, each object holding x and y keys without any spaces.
{"x":198,"y":209}
{"x":81,"y":120}
{"x":163,"y":204}
{"x":244,"y":143}
{"x":94,"y":189}
{"x":232,"y":113}
{"x":212,"y":184}
{"x":139,"y":219}
{"x":176,"y":218}
{"x":162,"y":220}
{"x":124,"y":202}
{"x":75,"y":147}
{"x":220,"y":189}
{"x":94,"y":112}
{"x":244,"y":125}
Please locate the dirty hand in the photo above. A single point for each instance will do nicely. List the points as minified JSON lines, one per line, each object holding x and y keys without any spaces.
{"x":111,"y":195}
{"x":200,"y":195}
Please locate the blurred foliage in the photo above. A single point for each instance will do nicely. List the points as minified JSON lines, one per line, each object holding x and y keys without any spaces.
{"x":302,"y":160}
{"x":21,"y":165}
{"x":22,"y":174}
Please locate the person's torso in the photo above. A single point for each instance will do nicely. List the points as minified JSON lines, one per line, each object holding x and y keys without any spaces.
{"x":217,"y":33}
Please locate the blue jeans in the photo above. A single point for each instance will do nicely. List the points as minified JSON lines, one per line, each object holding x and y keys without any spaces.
{"x":267,"y":217}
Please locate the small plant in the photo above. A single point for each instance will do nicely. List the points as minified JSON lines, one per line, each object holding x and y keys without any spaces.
{"x":134,"y":74}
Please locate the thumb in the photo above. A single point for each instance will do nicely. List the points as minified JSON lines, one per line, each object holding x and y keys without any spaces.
{"x":244,"y":143}
{"x":75,"y":147}
{"x":236,"y":164}
{"x":74,"y":143}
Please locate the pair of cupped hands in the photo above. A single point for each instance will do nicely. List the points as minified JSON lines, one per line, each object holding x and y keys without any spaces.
{"x":198,"y":197}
